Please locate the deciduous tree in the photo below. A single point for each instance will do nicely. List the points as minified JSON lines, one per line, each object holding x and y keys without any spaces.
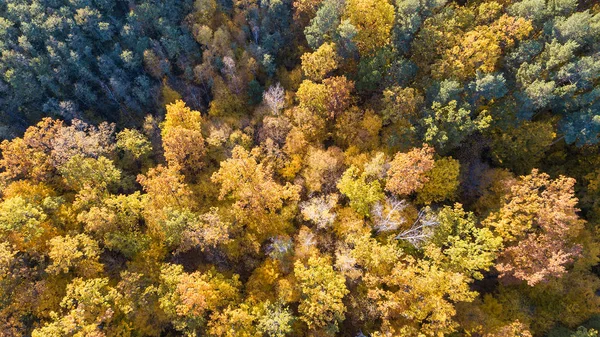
{"x":418,"y":297}
{"x":361,"y":191}
{"x":373,"y":21}
{"x":408,"y":171}
{"x":459,"y":245}
{"x":182,"y":137}
{"x":79,"y":254}
{"x":321,"y":291}
{"x":318,"y":64}
{"x":441,"y":181}
{"x":538,"y":223}
{"x":188,"y":299}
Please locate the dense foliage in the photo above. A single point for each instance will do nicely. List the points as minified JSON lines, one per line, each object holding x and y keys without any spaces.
{"x":299,"y":167}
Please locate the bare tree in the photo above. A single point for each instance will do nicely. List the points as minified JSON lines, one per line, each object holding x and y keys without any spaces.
{"x":255,"y":32}
{"x":319,"y":210}
{"x":83,"y":139}
{"x":234,"y":79}
{"x":387,"y":216}
{"x":274,"y":98}
{"x":346,"y":263}
{"x":421,"y":230}
{"x":279,"y":247}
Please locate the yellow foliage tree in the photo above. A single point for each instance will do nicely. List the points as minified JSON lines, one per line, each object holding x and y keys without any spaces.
{"x":442,"y":181}
{"x":373,"y":20}
{"x":182,"y":137}
{"x":322,"y":291}
{"x":321,"y":62}
{"x":408,"y":171}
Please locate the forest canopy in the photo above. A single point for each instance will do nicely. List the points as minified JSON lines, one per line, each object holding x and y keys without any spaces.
{"x":299,"y":168}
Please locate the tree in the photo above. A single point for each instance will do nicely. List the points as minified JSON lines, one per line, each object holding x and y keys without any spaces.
{"x":361,"y":192}
{"x":276,"y":320}
{"x":521,"y":148}
{"x":171,"y":224}
{"x":309,"y":126}
{"x":134,"y":142}
{"x":408,"y":171}
{"x":322,"y":169}
{"x":117,"y":222}
{"x":389,"y":216}
{"x":319,"y":210}
{"x":321,"y":292}
{"x":516,"y":328}
{"x":305,"y":8}
{"x":260,"y":202}
{"x":209,"y":232}
{"x":461,"y":40}
{"x":313,"y":96}
{"x":409,"y":19}
{"x":447,"y":125}
{"x":422,"y":229}
{"x":251,"y":184}
{"x":373,"y":21}
{"x":79,"y":253}
{"x":274,"y":98}
{"x":50,"y":145}
{"x":80,"y":172}
{"x":139,"y":302}
{"x":458,"y":245}
{"x":538,"y":222}
{"x":366,"y":255}
{"x":275,"y":128}
{"x":293,"y":173}
{"x":339,"y":91}
{"x":418,"y":297}
{"x":401,"y":104}
{"x":7,"y":256}
{"x":583,"y":332}
{"x":181,"y":230}
{"x":21,"y":221}
{"x":82,"y":139}
{"x":358,"y":129}
{"x":345,"y":39}
{"x":182,"y":137}
{"x":480,"y":49}
{"x":29,"y":156}
{"x":239,"y":320}
{"x":441,"y":181}
{"x":80,"y":59}
{"x":489,"y":86}
{"x":187,"y":299}
{"x":90,"y":307}
{"x":263,"y":284}
{"x":375,"y":69}
{"x":165,"y":187}
{"x":321,"y":62}
{"x":322,"y":27}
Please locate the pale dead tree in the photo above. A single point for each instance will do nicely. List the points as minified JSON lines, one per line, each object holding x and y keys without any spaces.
{"x":378,"y":166}
{"x":305,"y":243}
{"x":255,"y":32}
{"x":346,"y":263}
{"x":279,"y":247}
{"x":218,"y":134}
{"x":235,"y":81}
{"x":421,"y":230}
{"x":229,"y":66}
{"x":274,"y":98}
{"x":207,"y":231}
{"x":319,"y":210}
{"x":82,"y":139}
{"x":387,"y":216}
